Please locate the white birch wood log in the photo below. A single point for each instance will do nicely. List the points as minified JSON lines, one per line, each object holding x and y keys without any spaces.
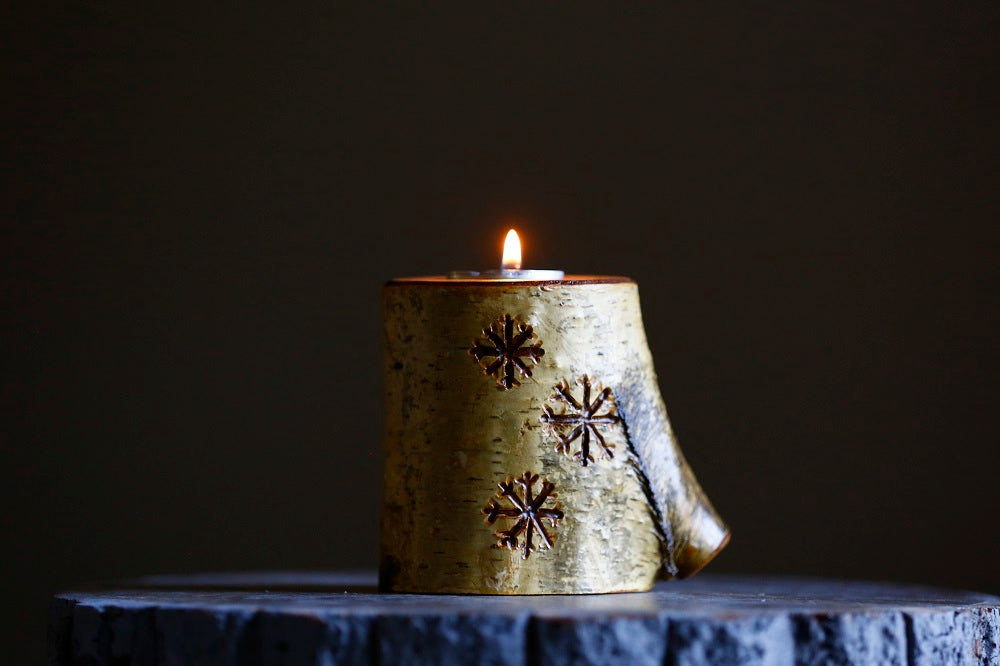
{"x":498,"y":393}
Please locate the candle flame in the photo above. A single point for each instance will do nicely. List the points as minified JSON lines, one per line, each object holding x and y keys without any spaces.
{"x":511,"y":252}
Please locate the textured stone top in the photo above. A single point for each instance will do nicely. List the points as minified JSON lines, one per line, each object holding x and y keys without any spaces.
{"x":336,"y":618}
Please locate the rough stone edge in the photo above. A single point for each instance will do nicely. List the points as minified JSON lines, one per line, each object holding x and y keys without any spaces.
{"x":636,"y":640}
{"x":90,"y":633}
{"x":59,"y":647}
{"x":962,"y":636}
{"x":80,"y":632}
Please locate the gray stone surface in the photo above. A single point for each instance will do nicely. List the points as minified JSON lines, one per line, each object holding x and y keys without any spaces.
{"x":323,"y":619}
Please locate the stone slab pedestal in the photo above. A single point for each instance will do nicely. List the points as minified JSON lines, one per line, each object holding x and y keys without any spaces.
{"x":336,"y":618}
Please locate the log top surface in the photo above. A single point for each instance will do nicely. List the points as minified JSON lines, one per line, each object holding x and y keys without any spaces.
{"x":444,"y":281}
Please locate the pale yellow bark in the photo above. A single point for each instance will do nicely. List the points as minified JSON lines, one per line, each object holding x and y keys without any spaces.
{"x":452,"y":434}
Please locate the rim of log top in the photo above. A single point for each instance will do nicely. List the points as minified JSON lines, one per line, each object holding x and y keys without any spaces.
{"x":338,"y":618}
{"x":568,"y":280}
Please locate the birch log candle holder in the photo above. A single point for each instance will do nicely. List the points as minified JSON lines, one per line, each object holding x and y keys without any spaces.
{"x":528,"y":450}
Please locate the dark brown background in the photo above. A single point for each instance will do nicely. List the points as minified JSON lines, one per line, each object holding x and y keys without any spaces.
{"x":202,"y":206}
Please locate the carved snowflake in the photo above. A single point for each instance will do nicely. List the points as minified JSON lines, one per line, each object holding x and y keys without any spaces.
{"x":501,"y":342}
{"x":580,"y":420}
{"x":527,"y":511}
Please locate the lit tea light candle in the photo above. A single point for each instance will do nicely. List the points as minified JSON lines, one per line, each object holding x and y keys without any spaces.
{"x":510,"y":266}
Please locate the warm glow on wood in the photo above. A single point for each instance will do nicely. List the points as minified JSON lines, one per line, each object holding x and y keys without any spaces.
{"x":511,"y":252}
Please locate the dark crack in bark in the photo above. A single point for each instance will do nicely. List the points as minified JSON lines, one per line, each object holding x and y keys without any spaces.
{"x":668,"y":568}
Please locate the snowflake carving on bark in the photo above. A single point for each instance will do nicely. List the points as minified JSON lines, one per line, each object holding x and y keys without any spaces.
{"x":504,"y":342}
{"x":528,"y":512}
{"x":580,"y":420}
